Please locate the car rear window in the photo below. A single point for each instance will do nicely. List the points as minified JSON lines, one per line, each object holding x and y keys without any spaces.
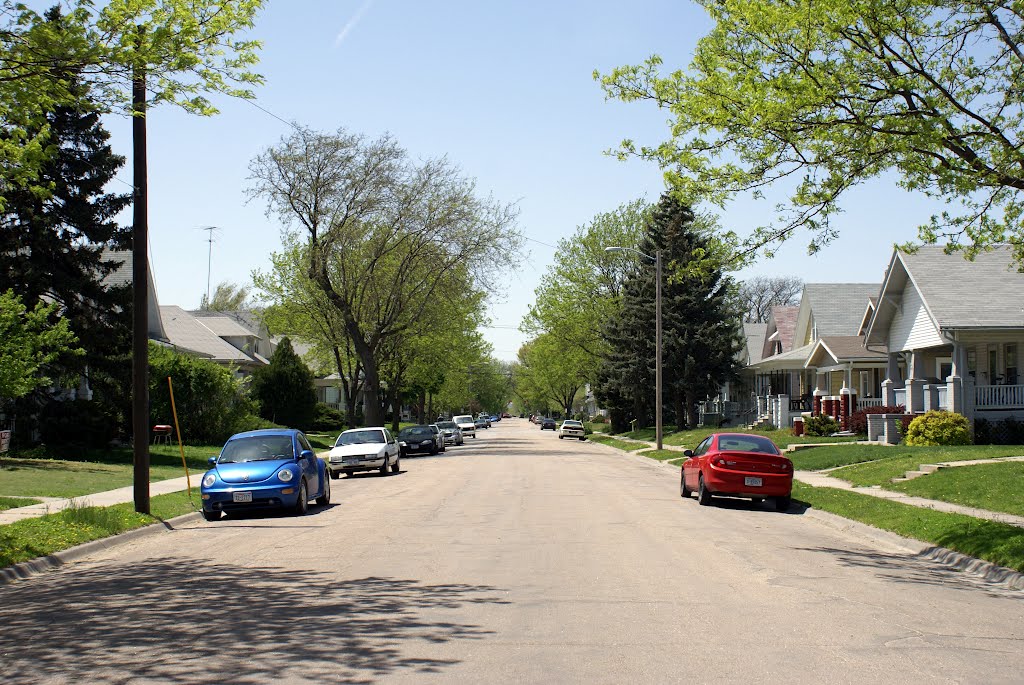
{"x":746,"y":443}
{"x":447,"y":424}
{"x":572,"y":424}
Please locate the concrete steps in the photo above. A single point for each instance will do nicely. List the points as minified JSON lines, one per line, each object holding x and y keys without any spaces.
{"x":922,"y":470}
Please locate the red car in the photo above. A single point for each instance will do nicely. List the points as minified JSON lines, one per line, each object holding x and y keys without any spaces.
{"x":737,"y":465}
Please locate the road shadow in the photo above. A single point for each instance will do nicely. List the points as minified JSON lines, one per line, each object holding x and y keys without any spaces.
{"x":915,"y":569}
{"x":162,"y":620}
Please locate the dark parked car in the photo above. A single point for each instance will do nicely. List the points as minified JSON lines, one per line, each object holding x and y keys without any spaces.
{"x":417,"y":440}
{"x":547,"y":422}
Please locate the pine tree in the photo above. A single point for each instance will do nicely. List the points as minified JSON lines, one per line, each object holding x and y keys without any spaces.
{"x":53,"y":244}
{"x":284,"y":389}
{"x":700,"y":327}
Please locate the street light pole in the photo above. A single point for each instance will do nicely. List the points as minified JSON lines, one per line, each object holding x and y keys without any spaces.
{"x":659,"y":431}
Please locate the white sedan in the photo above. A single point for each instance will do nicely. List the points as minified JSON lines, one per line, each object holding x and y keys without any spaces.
{"x":572,"y":429}
{"x":364,"y":449}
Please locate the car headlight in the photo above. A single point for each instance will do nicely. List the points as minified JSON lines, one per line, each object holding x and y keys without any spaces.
{"x":403,"y":444}
{"x":209,"y":480}
{"x":285,"y":475}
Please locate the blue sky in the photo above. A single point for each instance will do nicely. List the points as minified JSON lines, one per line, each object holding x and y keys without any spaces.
{"x":503,"y":89}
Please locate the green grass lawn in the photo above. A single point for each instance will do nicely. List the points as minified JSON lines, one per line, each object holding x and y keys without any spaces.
{"x":841,"y":455}
{"x":661,"y":455}
{"x":892,"y":462}
{"x":782,"y":438}
{"x":15,"y":502}
{"x":53,"y":478}
{"x":998,"y":543}
{"x":619,"y":444}
{"x":995,"y":487}
{"x":37,"y":537}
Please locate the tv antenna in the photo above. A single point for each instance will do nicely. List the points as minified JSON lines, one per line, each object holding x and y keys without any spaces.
{"x":210,"y":230}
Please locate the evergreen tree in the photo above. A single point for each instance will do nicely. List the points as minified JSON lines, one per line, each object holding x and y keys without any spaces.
{"x":284,"y":389}
{"x":53,"y":243}
{"x":700,"y":327}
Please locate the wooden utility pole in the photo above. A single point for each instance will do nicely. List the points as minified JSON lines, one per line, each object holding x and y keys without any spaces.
{"x":140,"y":292}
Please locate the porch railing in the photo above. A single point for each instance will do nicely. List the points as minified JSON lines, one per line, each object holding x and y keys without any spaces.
{"x":870,"y":402}
{"x":999,"y":396}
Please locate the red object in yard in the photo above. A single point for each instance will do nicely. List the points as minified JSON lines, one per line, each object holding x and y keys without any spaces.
{"x":161,"y":433}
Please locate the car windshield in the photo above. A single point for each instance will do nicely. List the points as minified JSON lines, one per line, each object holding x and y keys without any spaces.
{"x":360,"y":437}
{"x":416,"y":431}
{"x":463,"y":419}
{"x":447,"y":425}
{"x":747,"y":443}
{"x":257,"y":448}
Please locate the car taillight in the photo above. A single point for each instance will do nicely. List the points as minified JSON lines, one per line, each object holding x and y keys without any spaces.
{"x":721,"y":461}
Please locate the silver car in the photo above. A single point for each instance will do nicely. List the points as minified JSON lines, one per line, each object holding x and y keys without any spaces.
{"x":450,"y":431}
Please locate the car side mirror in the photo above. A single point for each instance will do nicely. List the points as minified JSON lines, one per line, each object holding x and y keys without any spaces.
{"x":212,"y":461}
{"x":306,"y":454}
{"x":687,"y":453}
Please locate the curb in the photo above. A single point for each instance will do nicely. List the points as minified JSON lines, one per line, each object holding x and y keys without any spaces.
{"x":999,"y":575}
{"x":33,"y":567}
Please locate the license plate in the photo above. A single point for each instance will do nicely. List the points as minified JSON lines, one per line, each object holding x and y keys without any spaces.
{"x":752,"y":482}
{"x":242,"y":496}
{"x":352,"y":460}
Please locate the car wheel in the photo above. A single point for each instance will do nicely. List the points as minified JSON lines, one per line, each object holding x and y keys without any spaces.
{"x":703,"y":494}
{"x":350,"y":474}
{"x":683,"y":490}
{"x":782,"y":503}
{"x":757,"y":500}
{"x":335,"y":474}
{"x":326,"y":497}
{"x":433,"y":450}
{"x":211,"y":515}
{"x":302,"y":503}
{"x":582,"y":439}
{"x":396,"y":466}
{"x":443,"y":448}
{"x":560,"y":437}
{"x":384,"y":466}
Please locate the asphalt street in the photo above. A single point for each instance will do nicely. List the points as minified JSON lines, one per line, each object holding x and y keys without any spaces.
{"x":517,"y":558}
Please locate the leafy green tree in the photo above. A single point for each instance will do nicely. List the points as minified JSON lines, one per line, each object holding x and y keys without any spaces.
{"x":56,"y":244}
{"x":211,"y":402}
{"x":386,"y":236}
{"x":284,"y":388}
{"x":578,"y":293}
{"x":700,"y":323}
{"x":552,"y":372}
{"x":816,"y":97}
{"x":228,"y":297}
{"x":30,"y":340}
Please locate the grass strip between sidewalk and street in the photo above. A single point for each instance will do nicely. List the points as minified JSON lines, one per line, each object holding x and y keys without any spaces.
{"x":15,"y":502}
{"x":998,"y":543}
{"x":619,"y":444}
{"x":995,"y":487}
{"x":38,"y":537}
{"x":662,"y":455}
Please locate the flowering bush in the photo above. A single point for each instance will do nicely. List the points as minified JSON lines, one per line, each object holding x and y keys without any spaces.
{"x":858,"y":422}
{"x":939,"y":428}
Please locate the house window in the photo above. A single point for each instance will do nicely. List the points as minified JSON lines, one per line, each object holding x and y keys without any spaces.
{"x":993,"y":377}
{"x":972,"y":362}
{"x":943,"y":368}
{"x":1010,"y":356}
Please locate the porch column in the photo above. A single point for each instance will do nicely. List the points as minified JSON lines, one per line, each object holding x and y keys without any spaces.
{"x":892,"y":379}
{"x":819,"y":392}
{"x":844,"y":408}
{"x":955,"y":396}
{"x":915,"y":383}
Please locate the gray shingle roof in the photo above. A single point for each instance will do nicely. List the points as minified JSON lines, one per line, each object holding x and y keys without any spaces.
{"x":754,"y":334}
{"x":985,"y":293}
{"x":122,"y":276}
{"x":224,"y":326}
{"x":838,"y":307}
{"x":185,"y":331}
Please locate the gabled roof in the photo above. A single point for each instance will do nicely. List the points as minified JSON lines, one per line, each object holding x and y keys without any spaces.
{"x":186,"y":331}
{"x":754,"y":334}
{"x":781,"y":322}
{"x":224,"y":327}
{"x":842,"y":349}
{"x":869,"y":313}
{"x":122,"y":277}
{"x":987,"y":292}
{"x":836,"y":308}
{"x":794,"y":359}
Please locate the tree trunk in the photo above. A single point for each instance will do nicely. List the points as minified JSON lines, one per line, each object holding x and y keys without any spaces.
{"x":679,"y":409}
{"x":430,"y":404}
{"x":691,"y":407}
{"x":421,"y":410}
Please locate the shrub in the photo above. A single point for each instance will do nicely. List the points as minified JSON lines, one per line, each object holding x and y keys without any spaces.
{"x":858,"y":422}
{"x":210,"y":400}
{"x":284,"y":389}
{"x":820,"y":425}
{"x":598,"y":418}
{"x":251,"y":422}
{"x":326,"y":419}
{"x":1008,"y":431}
{"x":939,"y":428}
{"x":78,"y":422}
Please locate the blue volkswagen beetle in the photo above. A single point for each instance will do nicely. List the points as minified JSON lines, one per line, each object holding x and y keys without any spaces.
{"x":265,"y":469}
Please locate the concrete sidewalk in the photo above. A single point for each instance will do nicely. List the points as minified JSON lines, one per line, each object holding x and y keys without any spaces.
{"x":52,"y":505}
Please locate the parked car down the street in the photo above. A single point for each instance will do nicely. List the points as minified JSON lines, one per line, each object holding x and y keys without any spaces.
{"x":450,"y":431}
{"x":438,"y":437}
{"x":417,"y":440}
{"x":737,"y":465}
{"x":466,"y":424}
{"x":264,"y":469}
{"x":571,"y":428}
{"x":364,"y":449}
{"x":547,"y":422}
